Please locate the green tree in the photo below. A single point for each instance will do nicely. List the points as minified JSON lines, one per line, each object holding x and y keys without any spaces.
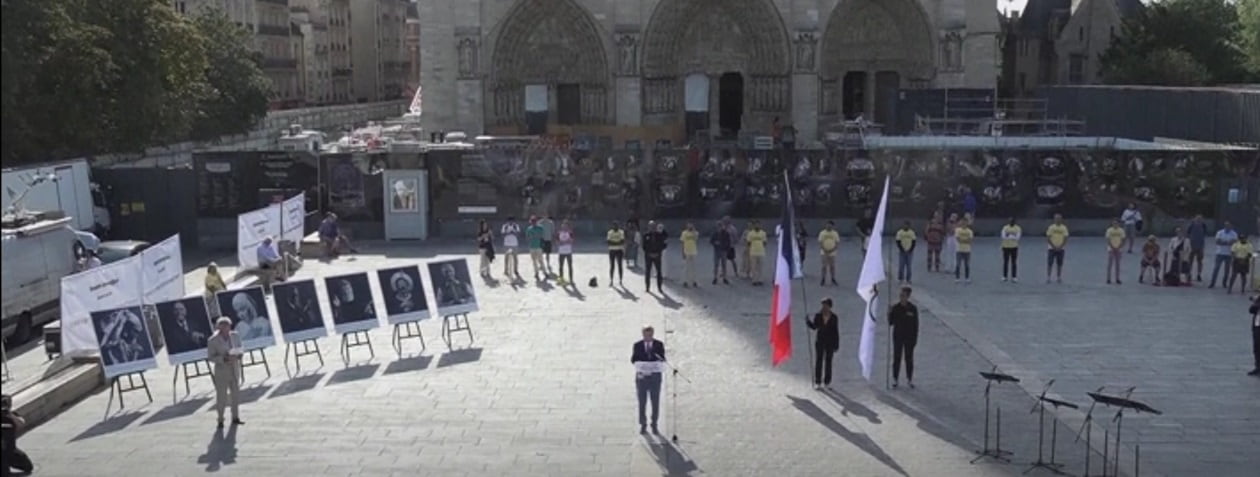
{"x":85,"y":77}
{"x":237,"y":87}
{"x":1207,"y":31}
{"x":1249,"y":20}
{"x":56,"y":77}
{"x":160,"y":60}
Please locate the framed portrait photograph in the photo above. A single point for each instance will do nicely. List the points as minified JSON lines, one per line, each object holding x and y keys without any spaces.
{"x":404,"y":295}
{"x":247,"y":308}
{"x":452,"y":287}
{"x":297,"y":307}
{"x":350,"y":299}
{"x":185,"y":327}
{"x":123,"y":335}
{"x":404,"y":195}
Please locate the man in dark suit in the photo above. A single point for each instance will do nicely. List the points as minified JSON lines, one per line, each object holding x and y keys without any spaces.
{"x":648,"y":384}
{"x":826,"y":343}
{"x":904,"y":320}
{"x":1255,"y":334}
{"x":653,"y":247}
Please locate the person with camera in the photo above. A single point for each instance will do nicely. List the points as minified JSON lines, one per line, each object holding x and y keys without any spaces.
{"x":12,"y":423}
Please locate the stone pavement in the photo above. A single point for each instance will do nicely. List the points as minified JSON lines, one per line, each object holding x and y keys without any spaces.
{"x":547,"y":389}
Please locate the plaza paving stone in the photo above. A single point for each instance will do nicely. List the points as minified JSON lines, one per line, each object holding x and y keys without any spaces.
{"x":546,"y":388}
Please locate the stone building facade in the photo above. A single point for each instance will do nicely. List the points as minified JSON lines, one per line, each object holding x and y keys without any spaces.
{"x":731,"y":65}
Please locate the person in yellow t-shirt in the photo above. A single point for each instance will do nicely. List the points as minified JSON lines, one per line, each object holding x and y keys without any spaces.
{"x":1011,"y":233}
{"x":829,"y":244}
{"x":962,"y":258}
{"x":1241,"y":251}
{"x":1056,"y":243}
{"x":905,"y":251}
{"x":616,"y":239}
{"x":690,"y":236}
{"x":1116,"y":238}
{"x":756,"y":238}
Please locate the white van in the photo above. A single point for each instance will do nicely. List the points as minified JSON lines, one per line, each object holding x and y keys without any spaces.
{"x":36,"y":254}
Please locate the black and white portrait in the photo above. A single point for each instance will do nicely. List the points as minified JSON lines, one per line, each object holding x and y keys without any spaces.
{"x":350,"y":297}
{"x":404,"y":198}
{"x":124,"y":340}
{"x":403,"y":293}
{"x":248,"y":310}
{"x":297,"y":307}
{"x":185,"y":328}
{"x":452,"y":287}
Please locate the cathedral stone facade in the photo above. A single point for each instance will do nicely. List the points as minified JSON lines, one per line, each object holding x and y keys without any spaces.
{"x":496,"y":66}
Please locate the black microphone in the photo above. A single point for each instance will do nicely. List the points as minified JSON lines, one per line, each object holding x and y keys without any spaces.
{"x":658,"y":357}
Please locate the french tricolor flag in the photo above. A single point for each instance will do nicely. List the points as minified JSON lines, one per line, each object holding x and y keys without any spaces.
{"x":787,"y":267}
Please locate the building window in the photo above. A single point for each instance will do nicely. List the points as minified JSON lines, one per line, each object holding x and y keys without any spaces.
{"x":1076,"y":69}
{"x":1080,"y":33}
{"x":1023,"y":82}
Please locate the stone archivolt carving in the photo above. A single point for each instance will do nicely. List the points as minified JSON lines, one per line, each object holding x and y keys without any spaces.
{"x":806,"y":51}
{"x":548,"y":42}
{"x":877,"y":35}
{"x":747,"y":32}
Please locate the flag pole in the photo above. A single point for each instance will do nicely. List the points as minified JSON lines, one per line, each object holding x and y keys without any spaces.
{"x":790,"y":235}
{"x":887,"y":311}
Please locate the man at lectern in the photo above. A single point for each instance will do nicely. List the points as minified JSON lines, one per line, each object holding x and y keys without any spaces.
{"x":647,"y":356}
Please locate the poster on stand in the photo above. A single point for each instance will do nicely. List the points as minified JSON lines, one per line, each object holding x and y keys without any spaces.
{"x":247,"y":308}
{"x":452,"y":287}
{"x":293,"y":222}
{"x":123,"y":337}
{"x":107,"y":287}
{"x":186,"y":327}
{"x":353,"y":308}
{"x":297,"y":307}
{"x":404,"y":294}
{"x":251,"y":228}
{"x":163,"y":271}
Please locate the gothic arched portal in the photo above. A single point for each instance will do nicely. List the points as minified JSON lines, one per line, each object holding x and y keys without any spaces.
{"x":870,"y":49}
{"x":552,"y":43}
{"x":715,"y":38}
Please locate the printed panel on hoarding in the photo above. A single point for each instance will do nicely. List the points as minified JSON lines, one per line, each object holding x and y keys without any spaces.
{"x":351,"y":185}
{"x":227,"y":183}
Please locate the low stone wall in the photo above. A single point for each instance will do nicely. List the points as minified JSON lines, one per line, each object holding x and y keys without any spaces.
{"x":261,"y":138}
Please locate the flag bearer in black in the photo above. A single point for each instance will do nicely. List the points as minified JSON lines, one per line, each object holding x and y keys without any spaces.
{"x":653,"y":248}
{"x":904,"y":320}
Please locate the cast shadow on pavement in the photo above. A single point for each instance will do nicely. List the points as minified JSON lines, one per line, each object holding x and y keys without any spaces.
{"x":410,"y":363}
{"x":671,"y":458}
{"x":254,"y":393}
{"x":849,"y":406}
{"x":925,"y":422}
{"x":183,"y":408}
{"x":859,"y":440}
{"x":111,"y":424}
{"x":625,"y":293}
{"x":296,"y":385}
{"x":354,"y":373}
{"x":459,"y":356}
{"x":221,"y":450}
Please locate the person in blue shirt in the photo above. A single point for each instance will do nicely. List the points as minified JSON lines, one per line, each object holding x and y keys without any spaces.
{"x":1197,"y":232}
{"x":534,"y":236}
{"x":1225,"y":238}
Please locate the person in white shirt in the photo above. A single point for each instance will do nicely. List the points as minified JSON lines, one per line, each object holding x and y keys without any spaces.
{"x":564,"y":237}
{"x":1132,"y":220}
{"x":511,"y":232}
{"x":1225,"y":238}
{"x":268,"y":263}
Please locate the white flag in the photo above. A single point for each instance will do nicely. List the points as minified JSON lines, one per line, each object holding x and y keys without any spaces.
{"x":872,"y":274}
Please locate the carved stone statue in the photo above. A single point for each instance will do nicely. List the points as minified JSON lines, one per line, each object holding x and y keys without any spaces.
{"x":951,"y":51}
{"x":467,"y":57}
{"x":806,"y":46}
{"x":628,"y":55}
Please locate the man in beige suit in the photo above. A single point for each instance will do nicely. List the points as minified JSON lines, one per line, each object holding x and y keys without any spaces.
{"x":225,"y":352}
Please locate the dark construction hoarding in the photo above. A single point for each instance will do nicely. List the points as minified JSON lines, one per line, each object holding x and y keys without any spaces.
{"x":710,"y":183}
